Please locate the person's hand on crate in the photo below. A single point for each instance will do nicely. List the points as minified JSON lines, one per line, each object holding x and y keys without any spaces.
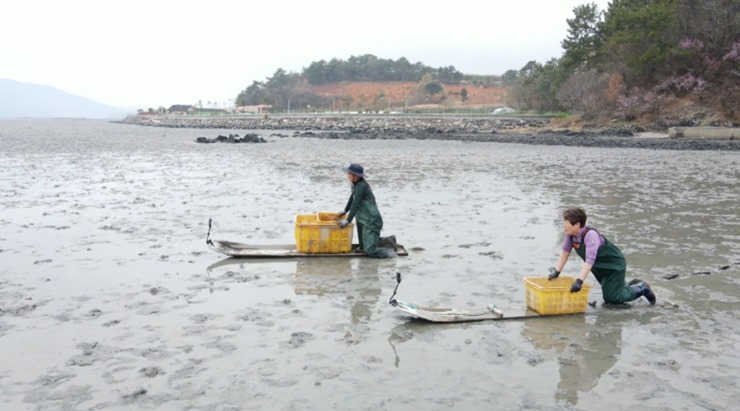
{"x":553,"y":273}
{"x":341,"y":213}
{"x":576,"y":286}
{"x":343,"y":223}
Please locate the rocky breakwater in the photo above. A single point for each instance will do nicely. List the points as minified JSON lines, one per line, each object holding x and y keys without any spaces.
{"x":519,"y":130}
{"x":383,"y":124}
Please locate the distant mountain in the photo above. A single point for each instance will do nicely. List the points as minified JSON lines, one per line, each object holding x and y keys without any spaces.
{"x":38,"y":101}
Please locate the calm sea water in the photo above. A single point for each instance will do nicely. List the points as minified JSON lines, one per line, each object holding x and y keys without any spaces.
{"x":108,"y":288}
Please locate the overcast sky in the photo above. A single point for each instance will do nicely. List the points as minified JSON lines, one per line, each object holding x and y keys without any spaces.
{"x":140,"y":54}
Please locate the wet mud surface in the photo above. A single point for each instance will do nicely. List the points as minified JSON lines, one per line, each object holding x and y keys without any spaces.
{"x":111,"y":299}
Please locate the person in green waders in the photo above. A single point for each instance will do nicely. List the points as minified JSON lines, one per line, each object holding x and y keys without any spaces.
{"x":600,"y":257}
{"x":361,"y":206}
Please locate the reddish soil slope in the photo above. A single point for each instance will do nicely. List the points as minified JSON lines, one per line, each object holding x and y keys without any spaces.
{"x":398,"y":95}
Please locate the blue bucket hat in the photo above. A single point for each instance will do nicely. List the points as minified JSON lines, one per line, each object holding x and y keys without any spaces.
{"x":355,"y":169}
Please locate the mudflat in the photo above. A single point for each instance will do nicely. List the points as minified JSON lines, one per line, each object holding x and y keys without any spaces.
{"x":112,"y":300}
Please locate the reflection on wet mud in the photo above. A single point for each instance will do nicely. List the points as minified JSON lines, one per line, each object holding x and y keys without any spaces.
{"x":320,"y":276}
{"x":585,"y":350}
{"x":357,"y":279}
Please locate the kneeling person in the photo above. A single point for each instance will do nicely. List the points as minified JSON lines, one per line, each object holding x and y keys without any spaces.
{"x":601,"y":257}
{"x":361,"y":206}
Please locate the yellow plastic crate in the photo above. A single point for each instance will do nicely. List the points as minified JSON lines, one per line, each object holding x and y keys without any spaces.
{"x":329,"y":216}
{"x":314,"y":236}
{"x":549,"y":297}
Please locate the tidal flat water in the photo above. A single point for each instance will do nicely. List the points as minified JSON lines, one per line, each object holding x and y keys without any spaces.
{"x":110,"y":298}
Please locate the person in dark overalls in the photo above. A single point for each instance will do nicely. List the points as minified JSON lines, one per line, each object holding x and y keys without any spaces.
{"x":361,"y":206}
{"x":600,"y":257}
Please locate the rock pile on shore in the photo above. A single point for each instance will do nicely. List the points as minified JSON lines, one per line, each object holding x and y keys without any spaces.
{"x":232,"y":138}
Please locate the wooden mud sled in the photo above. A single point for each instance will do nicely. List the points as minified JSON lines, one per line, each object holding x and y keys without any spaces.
{"x":493,"y":313}
{"x":241,"y":250}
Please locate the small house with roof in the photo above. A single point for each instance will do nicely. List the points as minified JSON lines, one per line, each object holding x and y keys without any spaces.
{"x":180,"y":109}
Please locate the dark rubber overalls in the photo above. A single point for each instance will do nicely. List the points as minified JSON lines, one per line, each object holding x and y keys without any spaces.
{"x":609,"y":269}
{"x":361,"y":206}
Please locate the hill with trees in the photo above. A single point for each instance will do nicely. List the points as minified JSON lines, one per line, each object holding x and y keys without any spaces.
{"x":369,"y":83}
{"x":658,"y":62}
{"x":655,"y":62}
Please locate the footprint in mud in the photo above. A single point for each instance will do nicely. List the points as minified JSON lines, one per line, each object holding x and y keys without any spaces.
{"x":199,"y":318}
{"x":535,"y":360}
{"x":91,"y":352}
{"x":481,"y":244}
{"x":158,"y":290}
{"x":53,"y":379}
{"x":299,"y":338}
{"x":669,"y":364}
{"x":223,"y":346}
{"x":492,"y":254}
{"x":151,"y":372}
{"x":261,"y":318}
{"x":155,"y":353}
{"x":64,"y":398}
{"x":128,"y":398}
{"x":22,"y":309}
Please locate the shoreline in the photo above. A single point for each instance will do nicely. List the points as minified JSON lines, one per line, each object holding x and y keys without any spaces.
{"x":580,"y":139}
{"x":519,"y":130}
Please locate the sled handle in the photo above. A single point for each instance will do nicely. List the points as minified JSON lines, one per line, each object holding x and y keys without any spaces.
{"x":495,"y":310}
{"x":392,"y":301}
{"x":208,"y":236}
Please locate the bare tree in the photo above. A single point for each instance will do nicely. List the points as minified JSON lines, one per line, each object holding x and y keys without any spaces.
{"x":584,"y":92}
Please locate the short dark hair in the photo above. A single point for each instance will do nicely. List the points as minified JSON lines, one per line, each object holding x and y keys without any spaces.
{"x":575,"y":215}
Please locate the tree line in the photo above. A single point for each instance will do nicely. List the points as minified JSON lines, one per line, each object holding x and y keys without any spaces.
{"x":633,"y":59}
{"x":370,"y":68}
{"x":636,"y":57}
{"x":284,"y":90}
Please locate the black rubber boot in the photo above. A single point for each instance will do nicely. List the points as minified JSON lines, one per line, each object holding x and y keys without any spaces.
{"x":389,"y":242}
{"x":643,"y":290}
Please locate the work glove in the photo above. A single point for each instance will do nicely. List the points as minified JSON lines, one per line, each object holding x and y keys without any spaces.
{"x":341,"y":213}
{"x":576,"y":286}
{"x":343,"y":223}
{"x":553,"y":273}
